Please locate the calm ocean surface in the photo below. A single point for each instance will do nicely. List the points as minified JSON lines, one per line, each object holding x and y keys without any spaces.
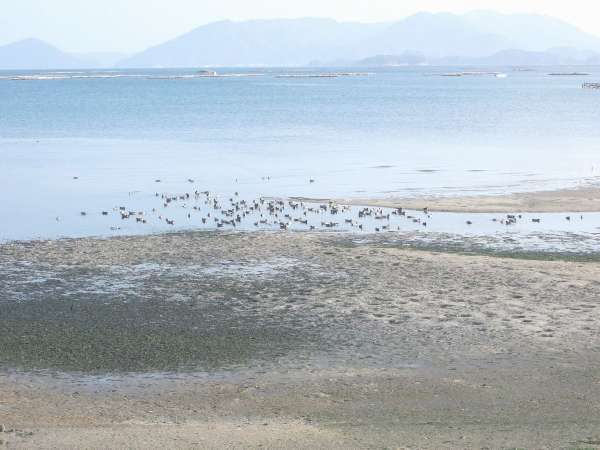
{"x":403,"y":132}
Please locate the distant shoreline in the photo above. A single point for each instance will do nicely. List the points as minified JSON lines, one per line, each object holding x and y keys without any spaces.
{"x":581,"y":199}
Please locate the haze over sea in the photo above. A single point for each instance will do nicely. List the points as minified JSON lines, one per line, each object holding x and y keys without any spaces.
{"x":397,"y":131}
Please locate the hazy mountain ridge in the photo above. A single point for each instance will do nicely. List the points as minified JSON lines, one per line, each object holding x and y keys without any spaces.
{"x":257,"y":42}
{"x":479,"y":37}
{"x":434,"y":35}
{"x":33,"y":54}
{"x":533,"y":32}
{"x":297,"y":41}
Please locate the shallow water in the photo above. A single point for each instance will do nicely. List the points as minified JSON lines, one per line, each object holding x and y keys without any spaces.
{"x":549,"y":232}
{"x":401,"y":132}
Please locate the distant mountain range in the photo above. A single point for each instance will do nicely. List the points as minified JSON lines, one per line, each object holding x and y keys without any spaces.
{"x":33,"y":54}
{"x":298,"y":41}
{"x":482,"y":38}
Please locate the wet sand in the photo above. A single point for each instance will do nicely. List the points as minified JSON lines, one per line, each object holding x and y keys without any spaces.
{"x":583,"y":199}
{"x":304,"y":340}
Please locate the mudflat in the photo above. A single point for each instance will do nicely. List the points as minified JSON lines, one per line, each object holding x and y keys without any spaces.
{"x":582,"y":199}
{"x":304,"y":340}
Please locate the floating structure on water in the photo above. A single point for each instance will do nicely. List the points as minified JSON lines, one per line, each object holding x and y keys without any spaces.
{"x":474,"y":74}
{"x":324,"y":75}
{"x":203,"y":74}
{"x":207,"y":73}
{"x":569,"y":74}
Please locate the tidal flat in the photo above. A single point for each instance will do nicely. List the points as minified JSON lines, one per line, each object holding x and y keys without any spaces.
{"x":292,"y":339}
{"x":582,"y":198}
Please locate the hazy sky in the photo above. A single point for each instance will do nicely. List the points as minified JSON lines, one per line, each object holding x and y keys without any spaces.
{"x":132,"y":25}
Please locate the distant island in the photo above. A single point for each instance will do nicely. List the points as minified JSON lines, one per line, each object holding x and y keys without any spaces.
{"x":511,"y":57}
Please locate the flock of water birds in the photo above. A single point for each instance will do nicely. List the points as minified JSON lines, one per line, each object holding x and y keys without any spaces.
{"x":234,"y":212}
{"x":204,"y":209}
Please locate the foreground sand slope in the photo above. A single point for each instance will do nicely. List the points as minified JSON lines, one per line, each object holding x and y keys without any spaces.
{"x":338,"y":343}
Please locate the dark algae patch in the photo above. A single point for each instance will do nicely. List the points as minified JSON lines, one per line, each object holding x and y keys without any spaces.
{"x":112,"y":307}
{"x":137,"y":337}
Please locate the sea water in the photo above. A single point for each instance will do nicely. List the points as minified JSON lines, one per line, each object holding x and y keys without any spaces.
{"x":93,"y":140}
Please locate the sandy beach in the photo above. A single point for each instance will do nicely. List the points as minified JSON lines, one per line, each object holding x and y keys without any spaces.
{"x":303,"y":340}
{"x":582,"y":199}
